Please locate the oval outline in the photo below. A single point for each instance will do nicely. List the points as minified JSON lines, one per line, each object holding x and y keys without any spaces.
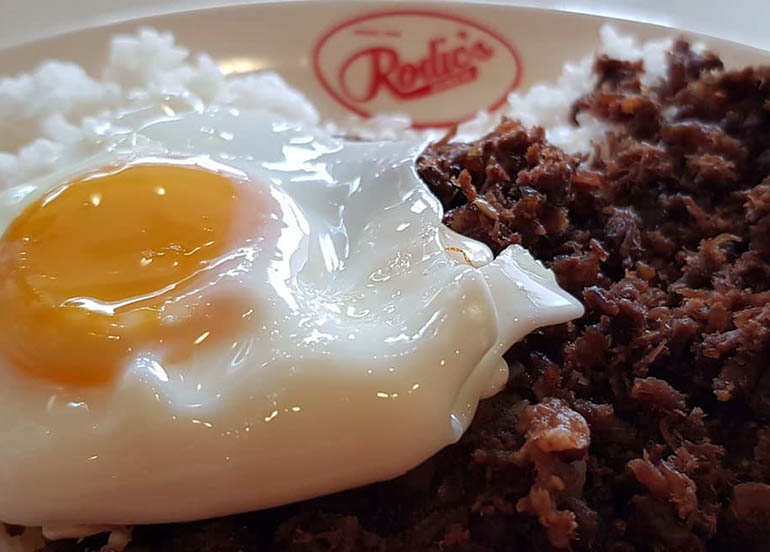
{"x":422,"y":13}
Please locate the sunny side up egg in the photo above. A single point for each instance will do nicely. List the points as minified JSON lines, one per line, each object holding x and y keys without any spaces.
{"x":222,"y":312}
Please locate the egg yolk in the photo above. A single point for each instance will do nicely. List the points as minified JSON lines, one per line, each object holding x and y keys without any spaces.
{"x":115,"y":263}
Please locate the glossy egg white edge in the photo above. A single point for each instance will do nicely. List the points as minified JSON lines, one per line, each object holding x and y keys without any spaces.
{"x":375,"y":346}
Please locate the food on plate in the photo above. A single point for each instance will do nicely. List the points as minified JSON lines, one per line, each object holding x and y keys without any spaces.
{"x":640,"y":180}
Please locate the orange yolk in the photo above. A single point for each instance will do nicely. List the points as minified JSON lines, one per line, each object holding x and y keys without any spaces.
{"x":115,"y":263}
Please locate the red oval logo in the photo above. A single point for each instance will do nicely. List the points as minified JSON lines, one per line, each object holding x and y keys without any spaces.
{"x":438,"y":68}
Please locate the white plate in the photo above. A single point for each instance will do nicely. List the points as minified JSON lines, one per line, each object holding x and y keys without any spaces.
{"x":326,"y":51}
{"x":353,"y":57}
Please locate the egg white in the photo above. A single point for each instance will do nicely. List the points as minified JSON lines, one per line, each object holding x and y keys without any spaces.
{"x":373,"y":344}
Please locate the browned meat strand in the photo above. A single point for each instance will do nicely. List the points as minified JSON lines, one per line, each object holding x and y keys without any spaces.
{"x":643,"y":426}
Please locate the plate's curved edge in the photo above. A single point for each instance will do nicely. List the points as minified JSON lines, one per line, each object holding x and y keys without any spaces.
{"x":617,"y":11}
{"x":123,"y":22}
{"x":543,"y":38}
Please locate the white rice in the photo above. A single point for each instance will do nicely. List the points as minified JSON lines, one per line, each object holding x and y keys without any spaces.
{"x":58,"y":113}
{"x":548,"y":105}
{"x":59,"y":104}
{"x":43,"y":113}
